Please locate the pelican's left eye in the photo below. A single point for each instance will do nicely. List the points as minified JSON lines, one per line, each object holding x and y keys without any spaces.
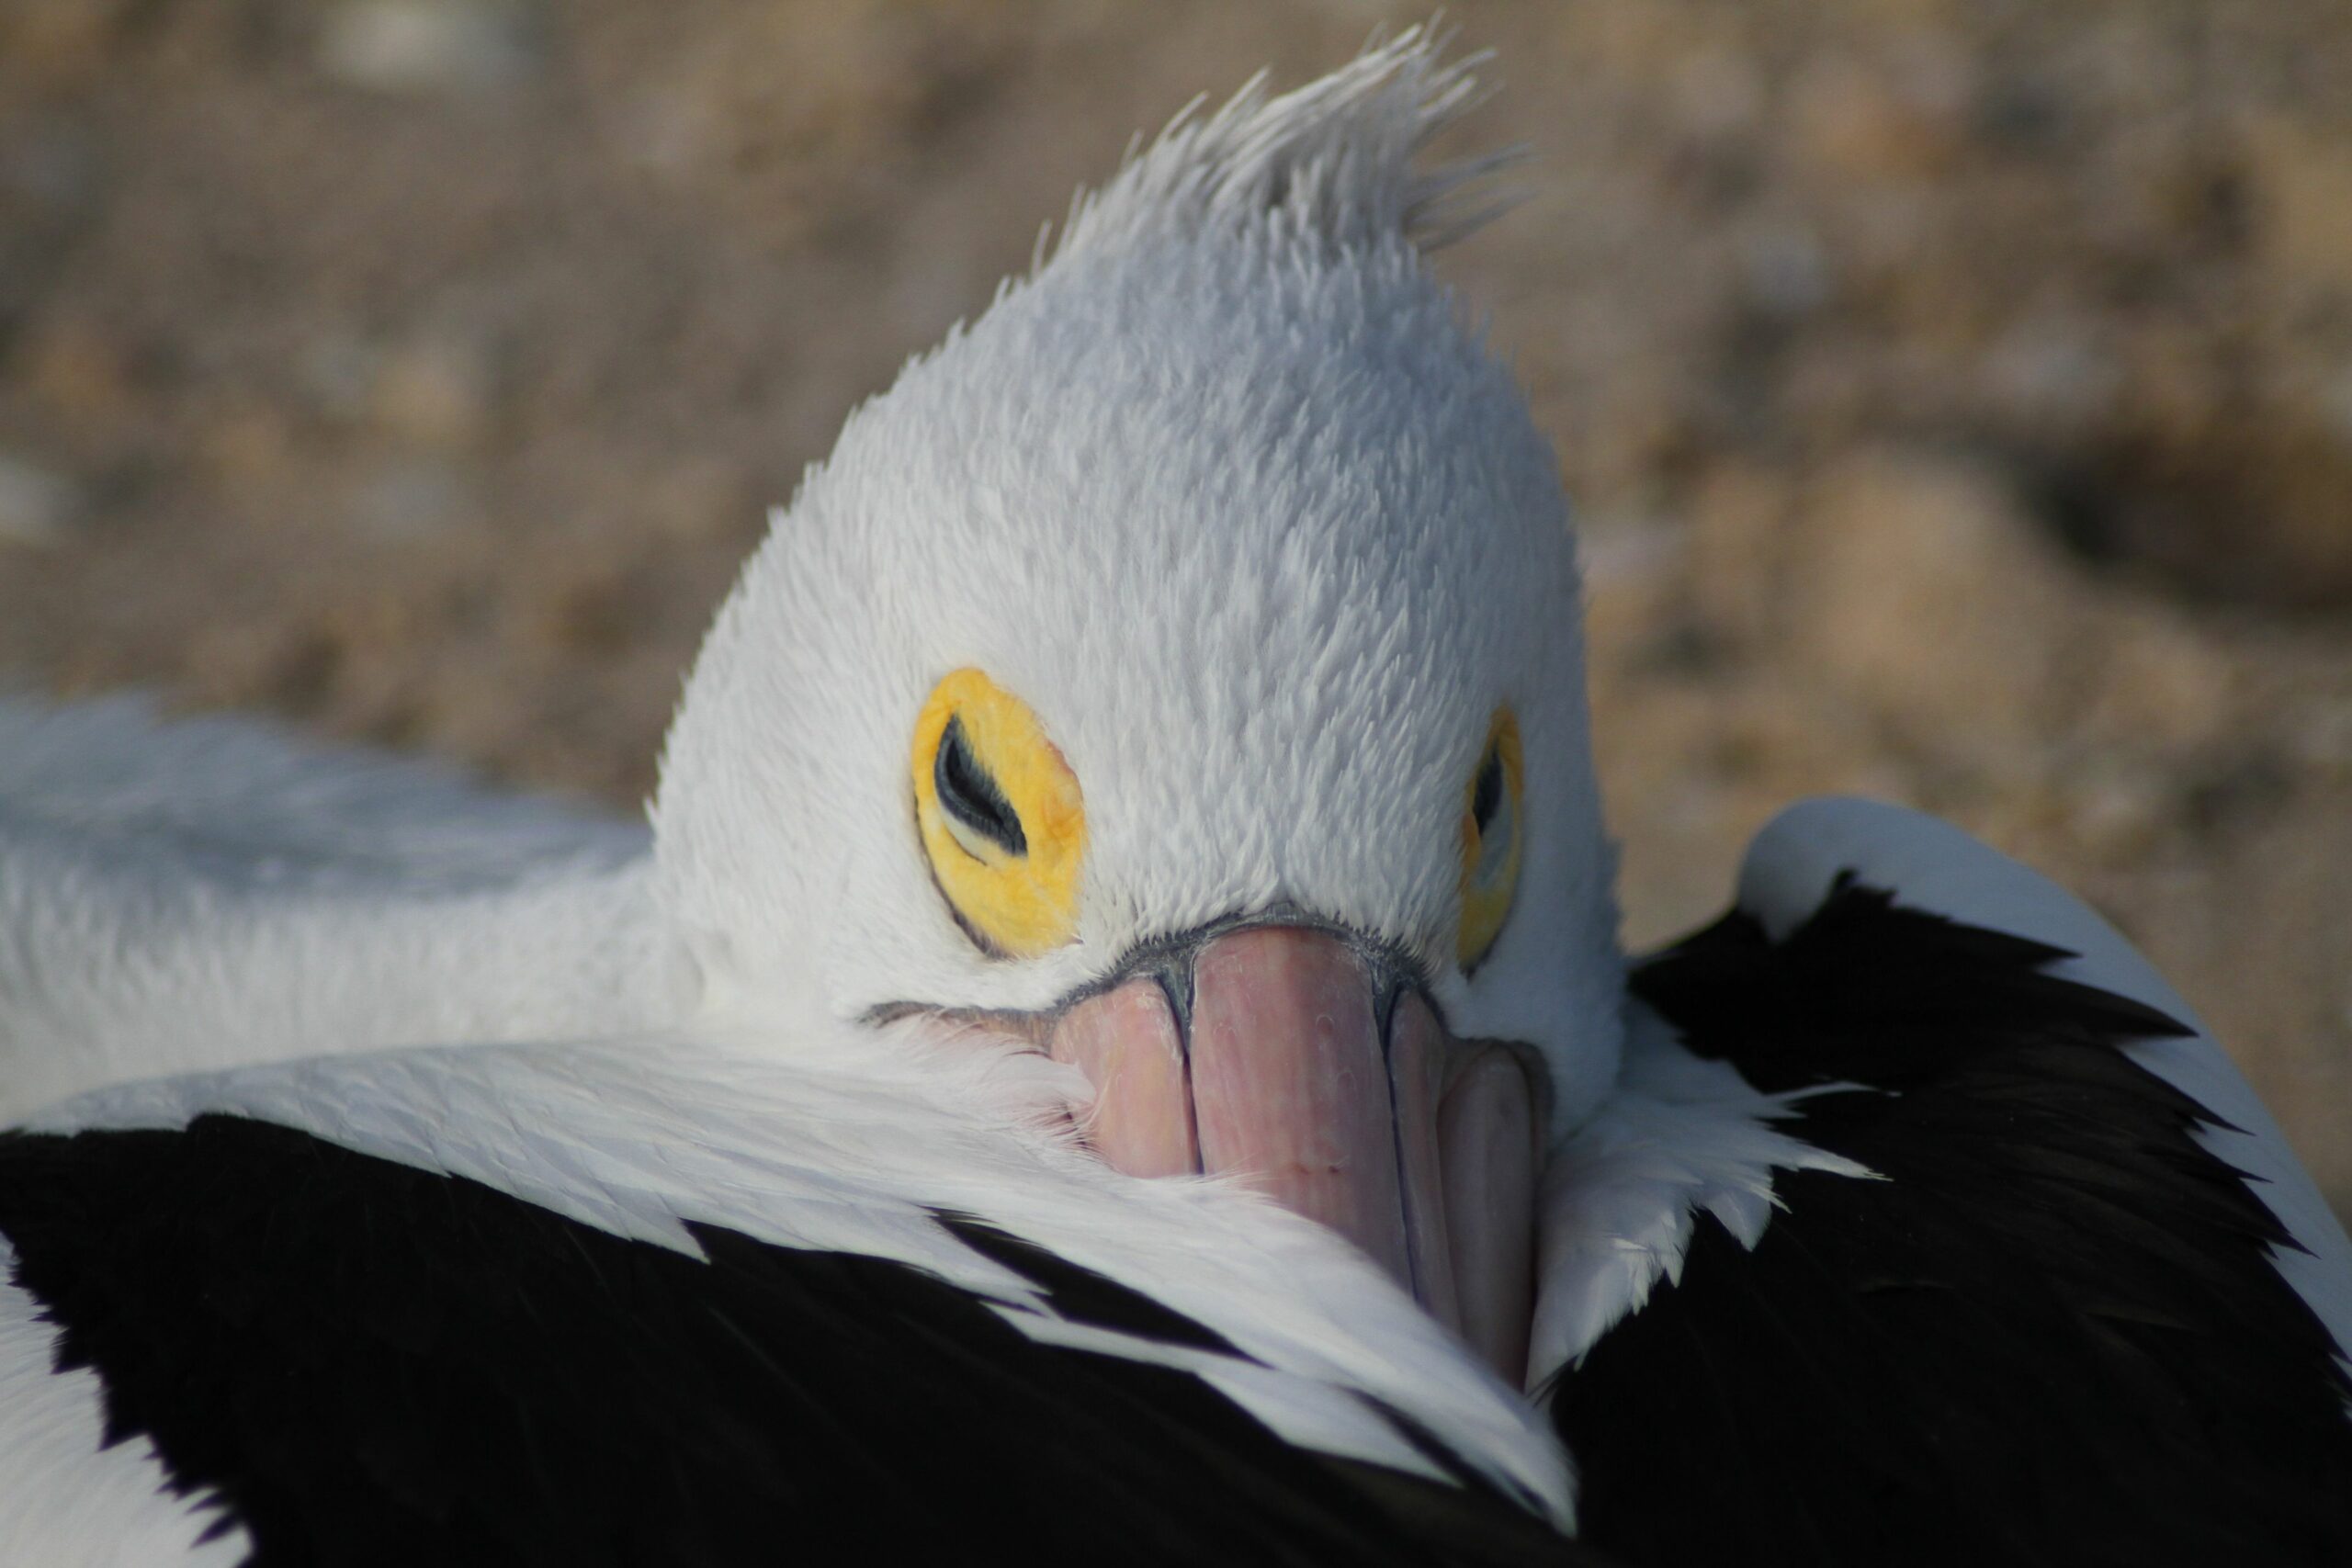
{"x":1000,"y":817}
{"x":1490,"y":841}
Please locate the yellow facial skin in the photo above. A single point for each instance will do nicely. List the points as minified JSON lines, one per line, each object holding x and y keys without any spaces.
{"x":1490,"y":837}
{"x":1000,"y":817}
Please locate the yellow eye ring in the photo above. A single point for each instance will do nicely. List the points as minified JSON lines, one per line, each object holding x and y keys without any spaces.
{"x":1490,"y":840}
{"x":1000,"y":817}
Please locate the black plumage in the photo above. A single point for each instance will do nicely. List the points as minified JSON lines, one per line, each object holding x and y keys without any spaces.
{"x":2051,"y":1334}
{"x":376,"y":1364}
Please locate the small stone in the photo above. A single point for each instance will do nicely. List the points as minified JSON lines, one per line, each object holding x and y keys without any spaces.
{"x":338,"y":371}
{"x":1630,"y":571}
{"x":2320,"y":737}
{"x":238,"y":663}
{"x":1739,"y":523}
{"x":1858,"y":120}
{"x":2051,"y":375}
{"x":2118,"y":812}
{"x":406,"y":500}
{"x":411,"y":46}
{"x":703,"y":500}
{"x":1631,"y":550}
{"x":81,"y":373}
{"x":1785,"y":269}
{"x":437,"y":392}
{"x":2336,"y":400}
{"x":246,"y":447}
{"x":2302,"y":185}
{"x":1717,"y":92}
{"x":38,"y":507}
{"x":2160,"y":679}
{"x":596,"y":611}
{"x":55,"y":164}
{"x":2023,"y":112}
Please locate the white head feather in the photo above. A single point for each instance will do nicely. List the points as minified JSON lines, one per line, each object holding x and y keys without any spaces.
{"x":1228,"y":492}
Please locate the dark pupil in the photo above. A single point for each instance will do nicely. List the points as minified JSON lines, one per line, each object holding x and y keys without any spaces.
{"x":1489,"y":792}
{"x":969,"y":795}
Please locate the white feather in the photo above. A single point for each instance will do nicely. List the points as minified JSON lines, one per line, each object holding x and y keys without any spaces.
{"x":68,"y":1499}
{"x":194,"y":894}
{"x":835,"y":1145}
{"x":1682,"y":1136}
{"x":1335,"y":160}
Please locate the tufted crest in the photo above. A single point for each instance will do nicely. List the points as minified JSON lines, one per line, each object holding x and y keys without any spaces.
{"x":1337,"y":162}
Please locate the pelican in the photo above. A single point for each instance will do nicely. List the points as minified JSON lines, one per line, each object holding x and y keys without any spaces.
{"x":1114,"y":1041}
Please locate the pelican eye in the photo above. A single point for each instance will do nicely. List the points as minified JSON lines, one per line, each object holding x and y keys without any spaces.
{"x":1000,"y":815}
{"x":1487,"y":792}
{"x":1490,"y":837}
{"x":974,"y":807}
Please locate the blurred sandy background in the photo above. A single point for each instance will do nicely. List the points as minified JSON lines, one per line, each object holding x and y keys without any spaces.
{"x":1959,"y":395}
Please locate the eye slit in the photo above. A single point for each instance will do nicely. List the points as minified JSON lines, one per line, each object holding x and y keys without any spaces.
{"x":1486,"y":794}
{"x":970,"y":798}
{"x":998,"y":816}
{"x":1490,"y":808}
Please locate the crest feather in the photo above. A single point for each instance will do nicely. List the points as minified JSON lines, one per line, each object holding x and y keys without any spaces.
{"x":1331,"y":162}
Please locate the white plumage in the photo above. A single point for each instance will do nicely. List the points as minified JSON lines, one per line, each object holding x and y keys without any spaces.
{"x":205,"y":892}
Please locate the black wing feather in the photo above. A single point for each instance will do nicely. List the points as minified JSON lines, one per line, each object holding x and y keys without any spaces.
{"x":2052,"y":1335}
{"x":375,"y":1364}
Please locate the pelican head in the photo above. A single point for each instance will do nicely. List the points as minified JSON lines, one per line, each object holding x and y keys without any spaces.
{"x":1182,"y":667}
